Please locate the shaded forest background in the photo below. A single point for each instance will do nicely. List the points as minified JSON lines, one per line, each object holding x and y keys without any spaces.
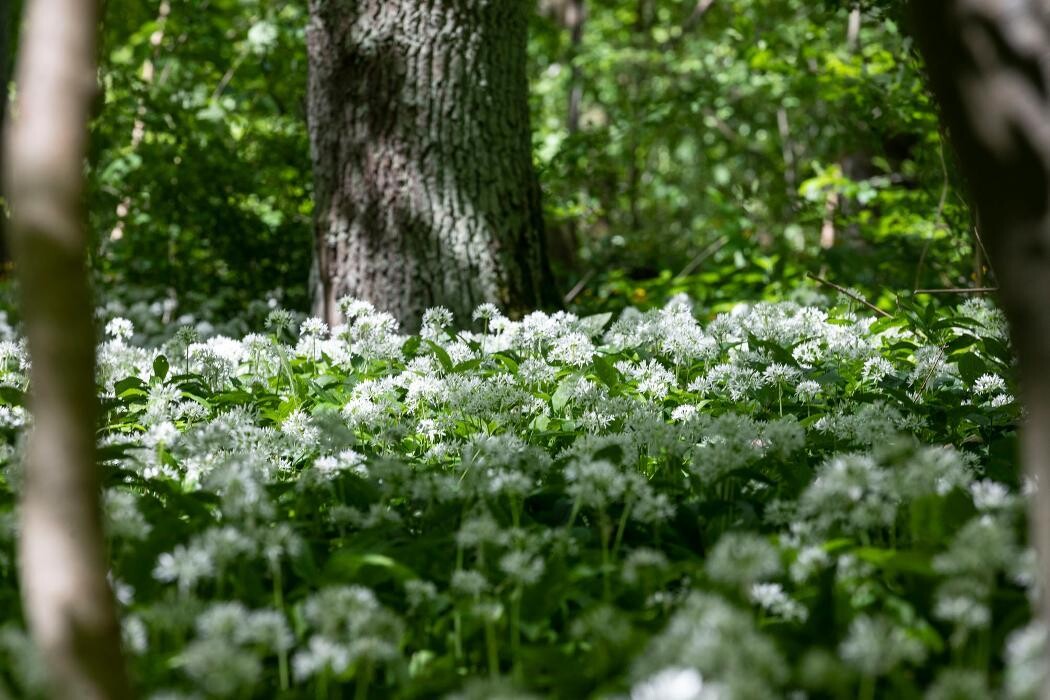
{"x":725,"y":148}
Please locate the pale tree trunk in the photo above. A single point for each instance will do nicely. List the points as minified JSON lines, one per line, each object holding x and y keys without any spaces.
{"x":989,"y":64}
{"x":419,"y":128}
{"x":67,"y":600}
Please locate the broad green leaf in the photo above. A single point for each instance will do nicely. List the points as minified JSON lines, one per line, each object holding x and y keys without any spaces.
{"x":160,"y":367}
{"x":563,"y":394}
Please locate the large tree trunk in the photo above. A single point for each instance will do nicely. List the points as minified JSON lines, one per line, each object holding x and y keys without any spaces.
{"x":419,"y":126}
{"x":68,"y":602}
{"x":989,"y":64}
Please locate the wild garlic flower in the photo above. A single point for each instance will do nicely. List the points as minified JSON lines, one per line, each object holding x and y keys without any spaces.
{"x":673,"y":684}
{"x":574,"y":349}
{"x":743,"y":558}
{"x":989,"y":384}
{"x":596,"y":483}
{"x":990,"y":495}
{"x":123,"y":517}
{"x":322,"y":655}
{"x":1026,"y":670}
{"x":469,"y":583}
{"x":435,"y":320}
{"x":184,"y":566}
{"x":722,"y":643}
{"x":876,"y":369}
{"x":651,"y":378}
{"x":777,"y":373}
{"x":875,"y":646}
{"x":313,"y":328}
{"x":352,"y":308}
{"x":120,"y":330}
{"x":956,"y":683}
{"x":486,"y":312}
{"x":521,"y":567}
{"x":963,"y":605}
{"x":772,"y":598}
{"x":640,"y":562}
{"x":219,"y":668}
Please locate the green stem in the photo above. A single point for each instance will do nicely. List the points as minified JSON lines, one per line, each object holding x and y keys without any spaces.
{"x":603,"y":531}
{"x":515,"y":631}
{"x":492,"y":649}
{"x":621,"y":527}
{"x":867,"y":688}
{"x":457,"y":618}
{"x":457,"y":639}
{"x":572,"y":515}
{"x":278,"y":601}
{"x":364,"y":681}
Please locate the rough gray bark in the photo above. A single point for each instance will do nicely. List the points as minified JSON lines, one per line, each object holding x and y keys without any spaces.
{"x":67,"y":599}
{"x":989,"y":64}
{"x":419,"y":126}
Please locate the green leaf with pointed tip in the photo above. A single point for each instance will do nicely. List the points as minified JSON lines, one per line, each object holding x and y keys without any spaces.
{"x":606,"y":372}
{"x":161,"y":367}
{"x":564,"y":392}
{"x":442,"y":355}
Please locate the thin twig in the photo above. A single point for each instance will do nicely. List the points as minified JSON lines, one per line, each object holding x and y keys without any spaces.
{"x":697,"y":14}
{"x":938,"y":217}
{"x":228,"y":76}
{"x":922,"y":260}
{"x":850,"y":294}
{"x":703,"y":255}
{"x":580,"y":286}
{"x":957,"y":290}
{"x":980,"y":242}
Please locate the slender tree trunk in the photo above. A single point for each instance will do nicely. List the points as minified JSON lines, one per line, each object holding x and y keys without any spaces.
{"x":68,"y":602}
{"x":419,"y":129}
{"x":6,"y":35}
{"x":563,"y":240}
{"x":987,"y":62}
{"x":575,"y":17}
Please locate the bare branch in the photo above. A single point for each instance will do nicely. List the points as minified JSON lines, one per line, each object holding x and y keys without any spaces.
{"x":850,"y":294}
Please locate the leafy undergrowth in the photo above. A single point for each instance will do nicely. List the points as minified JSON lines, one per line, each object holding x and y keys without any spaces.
{"x":785,"y":501}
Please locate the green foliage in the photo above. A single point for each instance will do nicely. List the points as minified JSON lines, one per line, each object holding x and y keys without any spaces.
{"x":200,"y":179}
{"x":708,"y":144}
{"x":740,"y":125}
{"x":560,"y":507}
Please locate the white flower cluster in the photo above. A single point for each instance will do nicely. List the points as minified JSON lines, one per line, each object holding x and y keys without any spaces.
{"x":355,"y":505}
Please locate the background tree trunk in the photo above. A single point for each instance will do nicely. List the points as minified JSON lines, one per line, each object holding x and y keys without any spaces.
{"x":68,"y":602}
{"x":987,"y":62}
{"x":424,"y":188}
{"x":8,"y":21}
{"x":6,"y":34}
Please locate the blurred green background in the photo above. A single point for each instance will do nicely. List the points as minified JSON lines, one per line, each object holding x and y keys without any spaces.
{"x":726,"y":148}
